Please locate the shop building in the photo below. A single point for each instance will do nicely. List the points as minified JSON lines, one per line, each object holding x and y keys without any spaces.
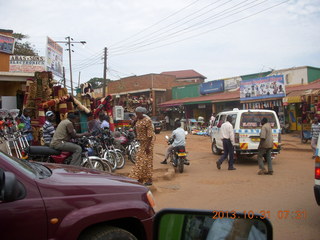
{"x":151,"y":89}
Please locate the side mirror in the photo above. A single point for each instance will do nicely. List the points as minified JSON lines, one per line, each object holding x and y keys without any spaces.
{"x":10,"y":188}
{"x":210,"y":225}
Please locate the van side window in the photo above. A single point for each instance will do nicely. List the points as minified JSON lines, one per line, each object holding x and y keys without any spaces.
{"x":234,"y":117}
{"x":216,"y":120}
{"x":221,"y":120}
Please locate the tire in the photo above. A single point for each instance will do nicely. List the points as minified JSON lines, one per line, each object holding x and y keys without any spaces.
{"x":109,"y":233}
{"x":132,"y":155}
{"x":120,"y":159}
{"x":107,"y":166}
{"x":96,"y":162}
{"x":215,"y":149}
{"x":180,"y":164}
{"x":111,"y":158}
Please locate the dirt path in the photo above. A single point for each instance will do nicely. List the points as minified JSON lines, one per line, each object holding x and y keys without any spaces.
{"x":203,"y":186}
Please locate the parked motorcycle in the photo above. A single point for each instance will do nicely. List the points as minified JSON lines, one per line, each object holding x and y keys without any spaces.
{"x":177,"y":156}
{"x":127,"y":143}
{"x":47,"y":154}
{"x":103,"y":146}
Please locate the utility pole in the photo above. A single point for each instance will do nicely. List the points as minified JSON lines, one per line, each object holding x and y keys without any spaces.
{"x":104,"y":72}
{"x":79,"y":80}
{"x":69,"y":43}
{"x":64,"y":77}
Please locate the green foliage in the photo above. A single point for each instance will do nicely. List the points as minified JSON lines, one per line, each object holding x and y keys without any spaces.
{"x":97,"y":82}
{"x":23,"y":48}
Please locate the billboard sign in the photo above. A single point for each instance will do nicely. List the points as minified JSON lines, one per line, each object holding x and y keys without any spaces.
{"x":212,"y":87}
{"x":27,"y":63}
{"x":232,"y":83}
{"x":261,"y":88}
{"x":54,"y":57}
{"x":6,"y":44}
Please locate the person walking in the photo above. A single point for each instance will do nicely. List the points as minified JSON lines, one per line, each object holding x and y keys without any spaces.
{"x":167,"y":119}
{"x":227,"y":136}
{"x":142,"y":170}
{"x":315,"y":129}
{"x":48,"y":128}
{"x":265,"y":147}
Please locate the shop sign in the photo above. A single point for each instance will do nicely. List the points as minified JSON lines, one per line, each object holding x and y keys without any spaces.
{"x":201,"y":106}
{"x":6,"y":44}
{"x":26,"y":63}
{"x":212,"y":87}
{"x":261,"y":88}
{"x":232,"y":83}
{"x":54,"y":57}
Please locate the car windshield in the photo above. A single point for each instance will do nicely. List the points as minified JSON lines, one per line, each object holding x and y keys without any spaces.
{"x":251,"y":120}
{"x":32,"y":169}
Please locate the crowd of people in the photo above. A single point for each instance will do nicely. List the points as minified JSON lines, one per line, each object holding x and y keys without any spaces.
{"x":58,"y":137}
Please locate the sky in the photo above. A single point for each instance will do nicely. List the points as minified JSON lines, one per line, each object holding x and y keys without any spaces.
{"x":217,"y":38}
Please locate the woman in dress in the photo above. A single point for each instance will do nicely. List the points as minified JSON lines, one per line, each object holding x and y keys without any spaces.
{"x":142,"y":171}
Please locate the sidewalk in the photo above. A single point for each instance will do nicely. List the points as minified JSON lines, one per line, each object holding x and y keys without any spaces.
{"x":292,"y":142}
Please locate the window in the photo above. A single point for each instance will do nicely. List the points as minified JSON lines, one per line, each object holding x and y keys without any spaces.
{"x":250,"y":120}
{"x":234,"y":118}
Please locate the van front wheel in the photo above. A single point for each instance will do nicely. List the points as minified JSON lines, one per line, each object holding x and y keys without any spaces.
{"x":214,"y":148}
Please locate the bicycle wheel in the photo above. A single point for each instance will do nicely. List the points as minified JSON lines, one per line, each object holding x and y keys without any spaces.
{"x":111,"y":158}
{"x":94,"y":163}
{"x":120,"y":158}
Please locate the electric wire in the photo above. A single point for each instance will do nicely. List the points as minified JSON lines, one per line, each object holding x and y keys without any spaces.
{"x":198,"y":34}
{"x":160,"y":21}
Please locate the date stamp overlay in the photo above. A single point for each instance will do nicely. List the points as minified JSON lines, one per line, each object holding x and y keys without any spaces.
{"x":262,"y":214}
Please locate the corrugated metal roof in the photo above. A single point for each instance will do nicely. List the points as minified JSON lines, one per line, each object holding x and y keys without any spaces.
{"x":184,"y":74}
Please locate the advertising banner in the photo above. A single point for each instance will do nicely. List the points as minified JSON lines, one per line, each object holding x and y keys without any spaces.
{"x":27,"y":63}
{"x":212,"y":87}
{"x":261,"y":88}
{"x":54,"y":55}
{"x":6,"y":44}
{"x":232,"y":83}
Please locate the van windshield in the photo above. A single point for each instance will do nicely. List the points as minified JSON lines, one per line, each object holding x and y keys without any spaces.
{"x":251,"y":120}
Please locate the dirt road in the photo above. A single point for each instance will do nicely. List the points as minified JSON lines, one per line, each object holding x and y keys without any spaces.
{"x":203,"y":186}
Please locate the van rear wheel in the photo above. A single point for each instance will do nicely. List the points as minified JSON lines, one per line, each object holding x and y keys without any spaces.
{"x":214,"y":148}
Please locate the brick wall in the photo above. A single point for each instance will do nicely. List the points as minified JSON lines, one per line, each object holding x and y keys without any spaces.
{"x":148,"y":81}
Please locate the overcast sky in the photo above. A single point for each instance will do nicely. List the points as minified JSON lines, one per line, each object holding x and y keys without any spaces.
{"x":217,"y":38}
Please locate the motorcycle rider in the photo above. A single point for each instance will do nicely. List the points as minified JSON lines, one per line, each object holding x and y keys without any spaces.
{"x":64,"y":132}
{"x":179,"y":137}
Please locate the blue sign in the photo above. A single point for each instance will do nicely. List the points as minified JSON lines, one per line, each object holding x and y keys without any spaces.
{"x":212,"y":87}
{"x":261,"y":88}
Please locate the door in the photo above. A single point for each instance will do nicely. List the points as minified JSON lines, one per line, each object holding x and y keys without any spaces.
{"x":24,"y":218}
{"x":216,"y":130}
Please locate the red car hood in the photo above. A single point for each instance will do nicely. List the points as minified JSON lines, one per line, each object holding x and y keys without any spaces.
{"x":72,"y":175}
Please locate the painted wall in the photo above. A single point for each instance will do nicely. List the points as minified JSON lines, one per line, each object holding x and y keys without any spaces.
{"x":313,"y":74}
{"x":186,"y":91}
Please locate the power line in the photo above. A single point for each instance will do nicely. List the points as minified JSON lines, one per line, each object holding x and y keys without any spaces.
{"x":160,"y":21}
{"x":198,"y":34}
{"x":168,"y":25}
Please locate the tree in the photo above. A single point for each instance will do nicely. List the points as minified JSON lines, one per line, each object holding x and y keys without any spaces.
{"x":97,"y":82}
{"x":23,"y":48}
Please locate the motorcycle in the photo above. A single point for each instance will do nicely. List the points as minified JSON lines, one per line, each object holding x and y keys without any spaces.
{"x":48,"y":154}
{"x":127,"y":143}
{"x":177,"y":156}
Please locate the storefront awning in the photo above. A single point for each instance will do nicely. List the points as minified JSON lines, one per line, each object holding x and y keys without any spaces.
{"x":212,"y":98}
